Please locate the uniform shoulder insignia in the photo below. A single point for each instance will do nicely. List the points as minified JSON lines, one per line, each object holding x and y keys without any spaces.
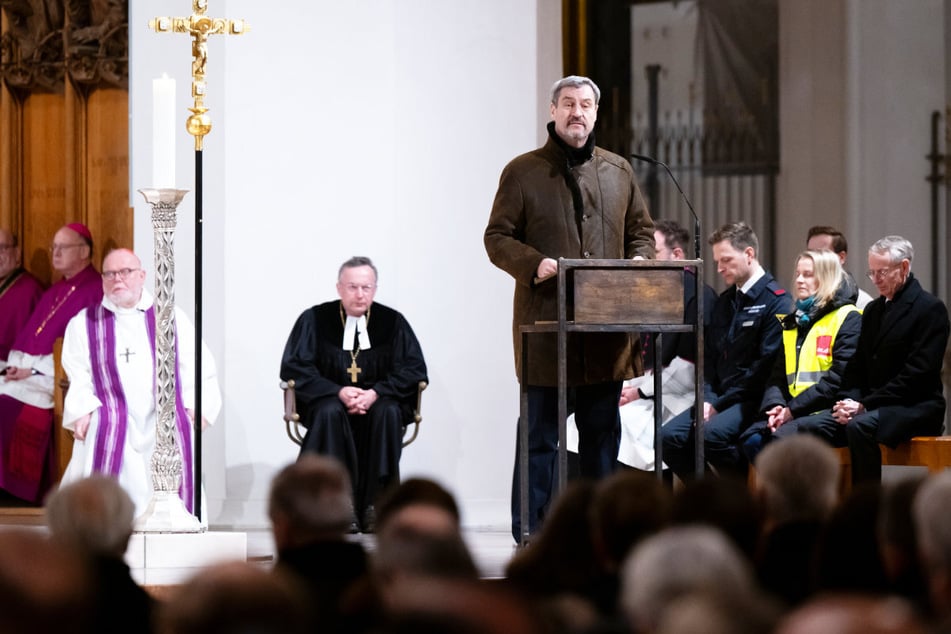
{"x":776,"y":288}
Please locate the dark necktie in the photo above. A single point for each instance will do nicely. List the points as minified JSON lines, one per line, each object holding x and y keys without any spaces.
{"x":738,"y":301}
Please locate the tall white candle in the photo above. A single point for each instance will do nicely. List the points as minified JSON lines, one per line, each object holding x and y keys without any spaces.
{"x":163,"y":132}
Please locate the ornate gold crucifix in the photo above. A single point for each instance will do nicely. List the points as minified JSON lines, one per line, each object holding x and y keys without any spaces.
{"x":199,"y":26}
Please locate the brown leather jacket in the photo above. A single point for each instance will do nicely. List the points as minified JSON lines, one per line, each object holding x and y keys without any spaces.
{"x":544,"y":208}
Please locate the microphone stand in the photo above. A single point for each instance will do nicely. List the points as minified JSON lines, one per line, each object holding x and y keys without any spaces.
{"x":699,"y":462}
{"x":696,"y":218}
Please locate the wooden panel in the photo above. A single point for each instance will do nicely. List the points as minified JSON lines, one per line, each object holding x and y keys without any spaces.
{"x":9,"y":151}
{"x":107,"y":170}
{"x":44,"y":174}
{"x":628,"y":296}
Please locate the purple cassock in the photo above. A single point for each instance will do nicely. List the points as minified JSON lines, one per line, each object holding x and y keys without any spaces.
{"x":27,"y":467}
{"x":19,"y":293}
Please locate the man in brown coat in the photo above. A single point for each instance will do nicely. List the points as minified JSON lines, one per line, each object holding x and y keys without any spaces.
{"x":574,"y":200}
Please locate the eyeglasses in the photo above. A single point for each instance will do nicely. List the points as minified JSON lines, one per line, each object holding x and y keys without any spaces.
{"x":63,"y":247}
{"x":353,"y":288}
{"x":880,"y":273}
{"x":122,"y":274}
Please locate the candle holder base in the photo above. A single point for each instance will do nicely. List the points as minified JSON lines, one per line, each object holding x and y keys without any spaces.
{"x":167,"y":514}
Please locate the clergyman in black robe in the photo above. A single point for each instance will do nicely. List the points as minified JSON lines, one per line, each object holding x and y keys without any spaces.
{"x":356,"y":366}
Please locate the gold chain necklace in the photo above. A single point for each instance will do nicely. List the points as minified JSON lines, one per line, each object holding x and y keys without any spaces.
{"x":354,"y":369}
{"x":54,"y":309}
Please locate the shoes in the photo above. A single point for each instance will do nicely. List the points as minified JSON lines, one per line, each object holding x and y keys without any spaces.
{"x":354,"y":524}
{"x":369,"y":519}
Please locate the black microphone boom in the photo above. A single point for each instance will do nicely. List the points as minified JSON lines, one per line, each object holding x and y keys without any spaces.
{"x":696,"y":218}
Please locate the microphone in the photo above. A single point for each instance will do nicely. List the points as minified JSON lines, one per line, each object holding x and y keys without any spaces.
{"x":696,"y":219}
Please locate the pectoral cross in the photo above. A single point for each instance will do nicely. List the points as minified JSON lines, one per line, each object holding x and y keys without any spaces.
{"x":199,"y":26}
{"x":126,"y":354}
{"x":354,"y":370}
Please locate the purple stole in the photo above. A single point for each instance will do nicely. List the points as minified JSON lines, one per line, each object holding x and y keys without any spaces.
{"x":114,"y":413}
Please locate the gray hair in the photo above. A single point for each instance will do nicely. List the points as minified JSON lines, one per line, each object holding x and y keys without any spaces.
{"x":933,"y":522}
{"x":798,"y":476}
{"x":574,"y":81}
{"x":354,"y":262}
{"x":312,"y":495}
{"x":676,"y":562}
{"x":93,"y":514}
{"x":896,"y":248}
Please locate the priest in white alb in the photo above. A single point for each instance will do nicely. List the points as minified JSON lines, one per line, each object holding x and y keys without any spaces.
{"x":109,"y":356}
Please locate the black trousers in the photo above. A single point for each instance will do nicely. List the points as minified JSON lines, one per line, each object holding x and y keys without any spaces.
{"x":368,"y":445}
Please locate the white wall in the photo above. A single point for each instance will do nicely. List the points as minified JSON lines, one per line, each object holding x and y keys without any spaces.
{"x":858,"y":82}
{"x":354,"y":128}
{"x":666,"y":34}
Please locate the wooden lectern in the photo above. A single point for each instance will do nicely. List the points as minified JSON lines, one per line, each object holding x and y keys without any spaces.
{"x":609,"y":296}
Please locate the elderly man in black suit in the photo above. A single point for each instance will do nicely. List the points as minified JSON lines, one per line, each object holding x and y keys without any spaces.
{"x":892,"y":387}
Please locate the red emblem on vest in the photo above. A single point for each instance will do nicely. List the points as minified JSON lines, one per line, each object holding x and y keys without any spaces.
{"x":824,"y":346}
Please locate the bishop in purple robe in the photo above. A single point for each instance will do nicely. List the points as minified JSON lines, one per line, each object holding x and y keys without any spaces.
{"x":27,"y":467}
{"x":19,"y":293}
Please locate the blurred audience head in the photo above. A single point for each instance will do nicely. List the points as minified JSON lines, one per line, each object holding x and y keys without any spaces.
{"x":677,"y":562}
{"x":933,"y":526}
{"x":724,"y":503}
{"x":235,"y":598}
{"x":852,"y":614}
{"x":46,"y":587}
{"x":628,"y":506}
{"x":310,"y":500}
{"x":94,"y":515}
{"x":798,"y":479}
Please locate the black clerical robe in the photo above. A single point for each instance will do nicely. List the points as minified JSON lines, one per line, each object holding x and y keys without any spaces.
{"x":393,"y":366}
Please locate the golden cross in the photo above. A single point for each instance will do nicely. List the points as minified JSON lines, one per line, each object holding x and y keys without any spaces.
{"x":353,"y":371}
{"x":199,"y":26}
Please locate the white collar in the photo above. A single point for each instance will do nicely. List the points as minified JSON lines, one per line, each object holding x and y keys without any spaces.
{"x":758,"y":272}
{"x":353,"y":326}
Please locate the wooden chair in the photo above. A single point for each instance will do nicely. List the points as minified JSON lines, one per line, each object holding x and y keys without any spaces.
{"x":294,"y":426}
{"x":62,"y":438}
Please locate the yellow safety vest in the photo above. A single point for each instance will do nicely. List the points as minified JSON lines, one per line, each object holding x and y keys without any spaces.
{"x":815,"y":356}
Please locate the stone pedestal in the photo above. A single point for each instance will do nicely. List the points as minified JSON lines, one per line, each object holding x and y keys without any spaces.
{"x":159,"y":559}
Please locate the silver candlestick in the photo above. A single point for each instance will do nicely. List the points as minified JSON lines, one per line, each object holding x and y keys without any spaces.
{"x":166,"y":512}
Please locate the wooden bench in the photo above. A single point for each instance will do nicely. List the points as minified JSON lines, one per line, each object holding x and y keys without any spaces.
{"x":932,"y":452}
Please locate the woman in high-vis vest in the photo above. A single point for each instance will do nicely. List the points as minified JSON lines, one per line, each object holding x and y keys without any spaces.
{"x":818,"y":340}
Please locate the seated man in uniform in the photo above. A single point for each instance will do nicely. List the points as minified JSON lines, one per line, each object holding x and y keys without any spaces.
{"x":19,"y":293}
{"x":740,"y":345}
{"x":356,"y":367}
{"x":26,"y":389}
